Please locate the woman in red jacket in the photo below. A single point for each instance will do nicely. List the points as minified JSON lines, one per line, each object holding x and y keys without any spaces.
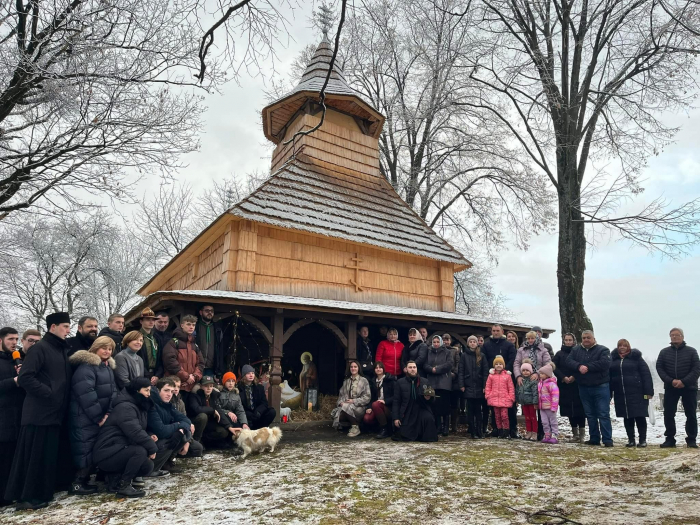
{"x":389,"y":352}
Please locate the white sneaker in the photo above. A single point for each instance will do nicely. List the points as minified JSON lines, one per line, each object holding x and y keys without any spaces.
{"x":354,"y":431}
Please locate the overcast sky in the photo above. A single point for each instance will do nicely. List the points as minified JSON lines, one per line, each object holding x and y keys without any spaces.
{"x":628,"y":294}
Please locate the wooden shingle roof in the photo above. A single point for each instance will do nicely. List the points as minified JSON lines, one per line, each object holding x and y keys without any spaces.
{"x":339,"y":95}
{"x":304,"y":196}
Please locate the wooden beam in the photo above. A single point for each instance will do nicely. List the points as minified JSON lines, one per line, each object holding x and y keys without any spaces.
{"x":276,"y":351}
{"x":257,"y":323}
{"x":351,"y":337}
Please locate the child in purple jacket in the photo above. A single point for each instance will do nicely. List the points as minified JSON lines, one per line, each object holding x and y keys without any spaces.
{"x":549,"y":403}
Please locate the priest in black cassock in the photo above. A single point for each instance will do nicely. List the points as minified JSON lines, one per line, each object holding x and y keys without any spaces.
{"x":45,"y":376}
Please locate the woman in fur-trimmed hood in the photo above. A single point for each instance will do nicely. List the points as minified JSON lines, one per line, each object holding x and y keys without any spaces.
{"x":93,"y":390}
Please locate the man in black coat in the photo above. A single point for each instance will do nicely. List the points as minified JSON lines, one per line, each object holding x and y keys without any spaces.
{"x":678,"y":366}
{"x":257,"y":411}
{"x":84,"y":337}
{"x":45,"y":376}
{"x":495,"y":345}
{"x":11,"y":399}
{"x":591,"y":365}
{"x":115,"y":330}
{"x":161,"y":329}
{"x":410,"y":411}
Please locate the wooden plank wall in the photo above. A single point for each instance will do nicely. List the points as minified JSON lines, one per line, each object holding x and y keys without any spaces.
{"x":296,"y":264}
{"x":331,"y":144}
{"x":203,"y":272}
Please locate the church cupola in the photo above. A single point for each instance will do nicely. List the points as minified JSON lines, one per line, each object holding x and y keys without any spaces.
{"x":344,"y":106}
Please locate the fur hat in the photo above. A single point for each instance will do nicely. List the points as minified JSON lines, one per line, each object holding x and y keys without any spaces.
{"x":247,"y":369}
{"x":499,"y":359}
{"x":57,"y":318}
{"x":227,"y":376}
{"x":527,"y":365}
{"x":546,"y":370}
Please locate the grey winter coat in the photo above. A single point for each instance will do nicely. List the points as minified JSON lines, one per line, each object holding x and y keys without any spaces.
{"x":359,"y":392}
{"x":129,"y":366}
{"x":541,"y":354}
{"x":441,"y":359}
{"x":230,"y":401}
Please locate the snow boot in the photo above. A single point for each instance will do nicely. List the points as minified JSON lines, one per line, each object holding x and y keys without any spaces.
{"x":574,"y":435}
{"x":127,"y":490}
{"x":384,"y":432}
{"x":582,"y":435}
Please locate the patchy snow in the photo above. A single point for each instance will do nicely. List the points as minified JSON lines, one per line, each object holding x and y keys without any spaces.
{"x":335,"y":479}
{"x":655,"y":433}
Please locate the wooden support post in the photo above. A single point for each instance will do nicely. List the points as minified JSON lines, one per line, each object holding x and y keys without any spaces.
{"x":351,"y":335}
{"x":276,"y":348}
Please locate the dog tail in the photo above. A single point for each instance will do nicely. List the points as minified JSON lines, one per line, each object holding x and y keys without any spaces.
{"x":277,"y":432}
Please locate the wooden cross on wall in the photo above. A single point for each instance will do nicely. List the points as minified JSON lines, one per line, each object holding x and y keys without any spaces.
{"x":356,"y":267}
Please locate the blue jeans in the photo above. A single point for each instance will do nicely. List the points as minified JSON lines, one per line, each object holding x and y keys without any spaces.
{"x":596,"y":405}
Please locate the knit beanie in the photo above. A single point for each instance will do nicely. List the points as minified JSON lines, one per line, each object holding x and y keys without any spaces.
{"x":247,"y":369}
{"x":227,"y":376}
{"x":526,"y":366}
{"x":546,"y":370}
{"x":499,"y":359}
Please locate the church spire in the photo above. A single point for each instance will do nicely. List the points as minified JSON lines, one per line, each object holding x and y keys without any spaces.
{"x":325,"y":18}
{"x":304,"y":98}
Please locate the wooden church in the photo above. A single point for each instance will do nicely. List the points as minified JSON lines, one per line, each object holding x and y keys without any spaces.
{"x":323,"y":246}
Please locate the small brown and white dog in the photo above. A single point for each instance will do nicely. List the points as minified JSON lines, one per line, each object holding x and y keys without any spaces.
{"x":257,"y":440}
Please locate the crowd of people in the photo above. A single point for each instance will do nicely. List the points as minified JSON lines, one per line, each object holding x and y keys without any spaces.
{"x":118,"y":406}
{"x":123,"y":406}
{"x":420,"y":391}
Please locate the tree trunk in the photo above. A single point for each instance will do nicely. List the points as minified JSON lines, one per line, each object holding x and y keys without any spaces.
{"x":571,"y":259}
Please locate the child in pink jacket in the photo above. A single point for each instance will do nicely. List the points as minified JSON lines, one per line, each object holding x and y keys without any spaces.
{"x":500,"y":394}
{"x":549,"y":403}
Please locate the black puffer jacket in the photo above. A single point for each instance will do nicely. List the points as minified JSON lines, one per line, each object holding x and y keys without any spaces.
{"x":197,"y":404}
{"x":493,"y":347}
{"x":93,"y":390}
{"x":388,"y":384}
{"x":11,"y":399}
{"x":679,"y":363}
{"x":472,"y":376}
{"x":79,"y":342}
{"x":417,"y":351}
{"x":114,"y":336}
{"x":441,"y":359}
{"x":126,"y":425}
{"x":596,"y":358}
{"x":45,"y":377}
{"x":570,"y":404}
{"x":630,"y":381}
{"x":164,"y":419}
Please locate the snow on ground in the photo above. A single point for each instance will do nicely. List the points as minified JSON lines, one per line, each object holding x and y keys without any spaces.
{"x":326,"y":478}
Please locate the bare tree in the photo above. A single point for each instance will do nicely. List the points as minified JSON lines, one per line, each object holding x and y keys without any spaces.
{"x":584,"y":84}
{"x":450,"y":162}
{"x":81,"y":263}
{"x":95,"y":93}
